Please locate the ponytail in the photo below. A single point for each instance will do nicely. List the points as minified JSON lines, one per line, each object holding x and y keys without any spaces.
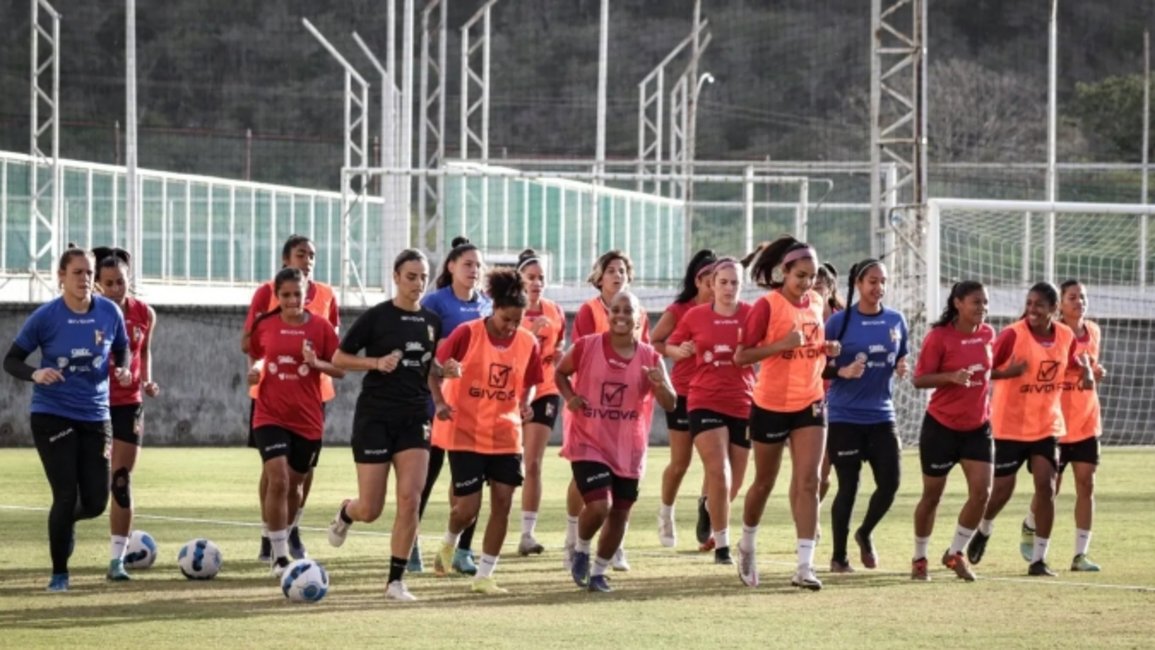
{"x":959,"y":291}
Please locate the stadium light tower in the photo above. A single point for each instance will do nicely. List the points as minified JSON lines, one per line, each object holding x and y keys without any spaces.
{"x":44,"y":173}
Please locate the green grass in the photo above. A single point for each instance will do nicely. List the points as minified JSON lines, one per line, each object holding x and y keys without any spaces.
{"x":671,"y":598}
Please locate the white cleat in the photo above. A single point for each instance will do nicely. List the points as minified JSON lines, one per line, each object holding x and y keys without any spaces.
{"x":397,"y":591}
{"x":567,"y":556}
{"x":277,"y":567}
{"x":338,"y":529}
{"x":667,"y":533}
{"x":619,"y":561}
{"x":806,"y":579}
{"x":747,"y":567}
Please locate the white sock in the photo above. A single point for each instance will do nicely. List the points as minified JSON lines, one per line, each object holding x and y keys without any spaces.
{"x":297,"y":519}
{"x":486,"y":566}
{"x":962,"y":537}
{"x":116,"y":549}
{"x":571,"y":527}
{"x":920,"y":546}
{"x":1082,"y":541}
{"x":600,"y":566}
{"x":280,"y":540}
{"x":986,"y":526}
{"x":528,"y":522}
{"x":722,"y":538}
{"x":264,"y":530}
{"x":451,"y":538}
{"x":1041,"y":546}
{"x":748,"y":535}
{"x":582,"y":545}
{"x":805,"y":550}
{"x":1029,"y":520}
{"x":666,"y":512}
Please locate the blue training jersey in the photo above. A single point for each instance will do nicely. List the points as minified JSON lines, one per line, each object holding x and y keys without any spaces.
{"x":454,"y":311}
{"x":882,"y":339}
{"x":79,"y":346}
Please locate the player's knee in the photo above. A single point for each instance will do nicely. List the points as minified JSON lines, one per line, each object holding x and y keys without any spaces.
{"x":532,"y":467}
{"x":122,"y":488}
{"x":501,"y":502}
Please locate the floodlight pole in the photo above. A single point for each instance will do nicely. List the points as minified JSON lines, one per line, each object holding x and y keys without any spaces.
{"x":603,"y":82}
{"x":132,"y":208}
{"x":44,"y":172}
{"x":1052,"y":136}
{"x":432,"y":119}
{"x":469,"y":108}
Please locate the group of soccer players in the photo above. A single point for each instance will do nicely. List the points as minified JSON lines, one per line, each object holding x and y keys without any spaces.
{"x":479,"y":371}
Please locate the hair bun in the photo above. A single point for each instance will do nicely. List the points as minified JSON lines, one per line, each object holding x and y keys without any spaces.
{"x":459,"y":240}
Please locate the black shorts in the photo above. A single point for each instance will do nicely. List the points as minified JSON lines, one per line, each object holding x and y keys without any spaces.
{"x":1011,"y":454}
{"x":275,"y":442}
{"x":546,"y":410}
{"x":705,"y":419}
{"x":772,"y":427}
{"x":940,"y":447}
{"x":590,"y":476}
{"x":847,"y":443}
{"x":678,"y":420}
{"x":470,"y":470}
{"x":1084,"y":451}
{"x":48,"y":426}
{"x":377,"y":440}
{"x":127,"y":422}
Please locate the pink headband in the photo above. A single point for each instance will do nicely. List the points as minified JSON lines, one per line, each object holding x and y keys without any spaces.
{"x":725,"y":263}
{"x":800,"y":253}
{"x":706,"y":270}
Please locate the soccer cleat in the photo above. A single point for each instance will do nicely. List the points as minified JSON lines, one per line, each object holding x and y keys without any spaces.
{"x":338,"y":529}
{"x":580,"y":570}
{"x":667,"y":534}
{"x":804,"y":578}
{"x":463,"y":562}
{"x":747,"y":568}
{"x":619,"y":561}
{"x":1027,"y":542}
{"x":840,"y":566}
{"x":702,"y":530}
{"x":1040,"y":568}
{"x":707,"y":546}
{"x":722,"y":556}
{"x":529,"y":546}
{"x":58,"y":582}
{"x":266,"y":552}
{"x":1083,"y":563}
{"x":397,"y":590}
{"x":918,"y":570}
{"x":416,"y":565}
{"x":567,"y":556}
{"x":443,"y":561}
{"x":866,"y":551}
{"x":116,"y":571}
{"x":977,"y":547}
{"x":277,"y":567}
{"x":600,"y":584}
{"x":296,"y":546}
{"x":957,"y":562}
{"x":486,"y":586}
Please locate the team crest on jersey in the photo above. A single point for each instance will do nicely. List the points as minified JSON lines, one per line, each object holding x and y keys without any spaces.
{"x":895,"y":335}
{"x":137,"y":334}
{"x":99,"y":335}
{"x":429,"y":328}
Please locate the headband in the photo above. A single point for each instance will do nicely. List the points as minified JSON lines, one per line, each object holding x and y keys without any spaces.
{"x":800,"y":253}
{"x":865,"y":267}
{"x":706,"y":270}
{"x":724,"y":263}
{"x":526,"y":262}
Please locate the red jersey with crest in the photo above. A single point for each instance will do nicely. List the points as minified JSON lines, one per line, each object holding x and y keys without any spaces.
{"x":945,"y":349}
{"x":289,"y":395}
{"x":138,"y":324}
{"x":718,"y":383}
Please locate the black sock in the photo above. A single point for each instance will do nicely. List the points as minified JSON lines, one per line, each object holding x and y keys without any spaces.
{"x":397,"y":567}
{"x":465,"y":542}
{"x":344,"y":516}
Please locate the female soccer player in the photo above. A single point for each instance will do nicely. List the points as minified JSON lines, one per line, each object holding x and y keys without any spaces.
{"x":955,"y":361}
{"x":1031,"y":356}
{"x":126,"y":402}
{"x":391,"y":421}
{"x":546,"y":321}
{"x":615,"y":380}
{"x":720,"y":395}
{"x":290,"y":349}
{"x":860,"y":407}
{"x":299,"y":253}
{"x":77,"y":335}
{"x":696,"y":290}
{"x":492,"y":365}
{"x":457,"y":300}
{"x":784,"y":332}
{"x":826,"y":285}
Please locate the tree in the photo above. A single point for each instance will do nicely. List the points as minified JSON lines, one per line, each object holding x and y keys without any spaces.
{"x":1111,"y":111}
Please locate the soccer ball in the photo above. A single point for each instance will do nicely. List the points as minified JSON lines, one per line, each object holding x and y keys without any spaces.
{"x":305,"y":581}
{"x":141,"y":551}
{"x":199,"y":559}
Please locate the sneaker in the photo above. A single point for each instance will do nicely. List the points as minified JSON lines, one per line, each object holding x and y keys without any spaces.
{"x":397,"y":590}
{"x":567,"y":556}
{"x":977,"y":547}
{"x":747,"y":568}
{"x":266,"y":552}
{"x":667,"y":534}
{"x":702,"y":530}
{"x":707,"y":546}
{"x":600,"y":584}
{"x":463,"y":562}
{"x":58,"y":582}
{"x":866,"y":550}
{"x":338,"y":529}
{"x":116,"y":571}
{"x":839,"y":566}
{"x":486,"y":586}
{"x":580,"y":570}
{"x":278,"y":566}
{"x":918,"y":570}
{"x":722,"y":556}
{"x":957,"y":562}
{"x":296,"y":546}
{"x":416,"y":565}
{"x":804,"y":578}
{"x":529,"y":546}
{"x":1040,"y":568}
{"x":1027,"y":542}
{"x":444,"y":559}
{"x":1083,"y":563}
{"x":619,"y":561}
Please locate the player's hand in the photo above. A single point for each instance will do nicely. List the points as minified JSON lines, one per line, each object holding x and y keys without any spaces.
{"x":444,"y":411}
{"x":538,"y":324}
{"x":794,"y":339}
{"x":1099,"y":371}
{"x":902,"y":368}
{"x":962,"y":377}
{"x":1015,"y":368}
{"x":526,"y":412}
{"x":833,"y":348}
{"x":451,"y":369}
{"x":388,"y":363}
{"x":47,"y":376}
{"x":655,"y":375}
{"x":855,"y":369}
{"x":576,"y":403}
{"x":123,"y":376}
{"x":151,"y":388}
{"x":308,"y":354}
{"x":254,"y":376}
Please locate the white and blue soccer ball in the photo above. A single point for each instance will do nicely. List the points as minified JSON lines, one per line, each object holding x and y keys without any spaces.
{"x":305,"y":581}
{"x":199,"y":559}
{"x":141,"y":550}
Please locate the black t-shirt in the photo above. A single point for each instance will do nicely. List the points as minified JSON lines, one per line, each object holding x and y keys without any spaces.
{"x":404,"y":392}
